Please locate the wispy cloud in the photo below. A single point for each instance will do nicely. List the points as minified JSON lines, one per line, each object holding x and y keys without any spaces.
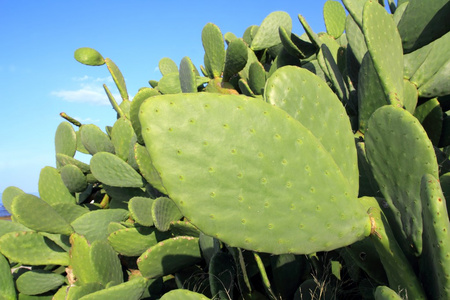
{"x":89,"y":90}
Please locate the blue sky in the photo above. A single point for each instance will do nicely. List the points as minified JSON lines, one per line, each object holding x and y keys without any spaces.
{"x":39,"y":77}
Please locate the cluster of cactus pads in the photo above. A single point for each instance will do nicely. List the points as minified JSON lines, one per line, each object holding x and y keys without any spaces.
{"x":291,"y":167}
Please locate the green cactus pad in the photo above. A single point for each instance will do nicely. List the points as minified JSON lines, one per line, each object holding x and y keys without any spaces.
{"x":309,"y":32}
{"x":94,"y":263}
{"x":7,"y":288}
{"x":427,"y":68}
{"x":334,"y":17}
{"x":69,"y":211}
{"x":385,"y":47}
{"x":38,"y":215}
{"x":435,"y":259}
{"x":385,"y":293}
{"x":122,"y":134}
{"x":180,"y":294}
{"x":7,"y":226}
{"x":257,"y":78}
{"x":167,"y":66}
{"x":245,"y":88}
{"x":8,"y":196}
{"x":106,"y":263}
{"x":147,"y":169}
{"x":184,"y":228}
{"x":398,"y":159}
{"x":37,"y":282}
{"x":64,"y":159}
{"x":267,"y":34}
{"x":222,"y":275}
{"x":141,"y":95}
{"x":65,"y":139}
{"x":94,"y":225}
{"x":411,"y":95}
{"x":134,"y":241}
{"x":214,"y":49}
{"x":118,"y":78}
{"x":250,"y":192}
{"x":32,"y":248}
{"x":370,"y":92}
{"x":423,"y":22}
{"x":95,"y":140}
{"x":355,"y":39}
{"x":73,"y":178}
{"x":130,"y":290}
{"x":165,"y":211}
{"x":52,"y":188}
{"x":169,"y":256}
{"x":250,"y":33}
{"x":336,"y":78}
{"x":430,"y":115}
{"x":355,"y":9}
{"x":77,"y":291}
{"x":188,"y":76}
{"x":235,"y":59}
{"x":400,"y":273}
{"x":111,"y":170}
{"x":141,"y":210}
{"x":170,"y":84}
{"x":302,"y":95}
{"x":89,"y":56}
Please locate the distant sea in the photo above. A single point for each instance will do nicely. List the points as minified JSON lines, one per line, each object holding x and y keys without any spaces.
{"x":3,"y":211}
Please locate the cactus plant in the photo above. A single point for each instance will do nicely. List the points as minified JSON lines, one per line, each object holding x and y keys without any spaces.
{"x":197,"y":192}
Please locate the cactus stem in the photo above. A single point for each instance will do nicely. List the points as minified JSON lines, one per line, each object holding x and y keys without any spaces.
{"x":70,"y":119}
{"x":113,"y":102}
{"x":264,"y":277}
{"x":105,"y":202}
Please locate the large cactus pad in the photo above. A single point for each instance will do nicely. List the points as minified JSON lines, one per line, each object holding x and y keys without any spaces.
{"x":249,"y":174}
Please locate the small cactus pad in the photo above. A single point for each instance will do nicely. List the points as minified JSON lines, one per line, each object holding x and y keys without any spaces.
{"x":111,"y":170}
{"x":38,"y":215}
{"x":334,"y":17}
{"x":73,"y":178}
{"x":95,"y":140}
{"x":214,"y":46}
{"x":166,"y":66}
{"x":94,"y":225}
{"x":65,"y":139}
{"x":134,"y":241}
{"x":384,"y":293}
{"x":8,"y":196}
{"x":7,"y":288}
{"x":96,"y":262}
{"x":235,"y":59}
{"x":141,"y":210}
{"x":52,"y":188}
{"x":398,"y":159}
{"x":32,"y":248}
{"x":181,"y":294}
{"x":118,"y":78}
{"x":237,"y":182}
{"x":89,"y":56}
{"x":169,"y":256}
{"x":130,"y":290}
{"x":435,"y":259}
{"x":267,"y":34}
{"x":164,"y":211}
{"x":122,"y":134}
{"x":188,"y":77}
{"x":147,"y":169}
{"x":385,"y":47}
{"x":37,"y":282}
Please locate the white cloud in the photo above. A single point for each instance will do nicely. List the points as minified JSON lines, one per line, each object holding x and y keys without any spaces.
{"x":89,"y":91}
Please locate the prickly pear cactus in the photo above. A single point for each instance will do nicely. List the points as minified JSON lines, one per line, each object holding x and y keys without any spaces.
{"x":216,"y":184}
